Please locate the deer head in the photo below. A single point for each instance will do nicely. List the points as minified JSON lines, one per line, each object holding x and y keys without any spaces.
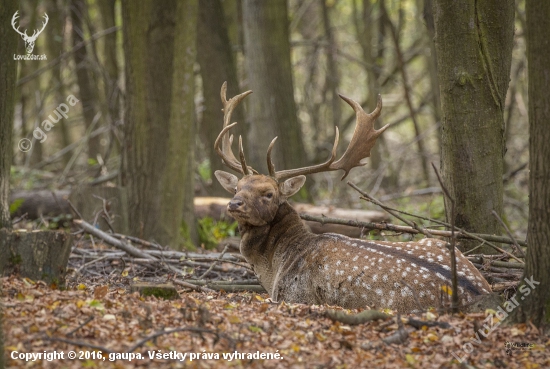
{"x":256,"y":196}
{"x":29,"y":40}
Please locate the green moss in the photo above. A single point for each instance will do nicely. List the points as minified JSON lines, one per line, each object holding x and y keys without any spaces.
{"x":15,"y":259}
{"x":160,"y":292}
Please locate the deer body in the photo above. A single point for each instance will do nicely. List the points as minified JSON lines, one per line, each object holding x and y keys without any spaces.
{"x":298,"y":266}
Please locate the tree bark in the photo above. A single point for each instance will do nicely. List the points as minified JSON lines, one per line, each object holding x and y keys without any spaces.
{"x":38,"y":255}
{"x":536,"y":305}
{"x":474,"y":42}
{"x":215,"y":57}
{"x":272,"y":110}
{"x":86,"y":90}
{"x":111,"y":75}
{"x":159,"y":48}
{"x":55,"y":32}
{"x":8,"y":45}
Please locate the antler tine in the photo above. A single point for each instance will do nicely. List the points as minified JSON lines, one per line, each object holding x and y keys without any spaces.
{"x":270,"y":165}
{"x":13,"y":20}
{"x":243,"y":160}
{"x":225,"y":151}
{"x":363,"y":139}
{"x":285,"y":174}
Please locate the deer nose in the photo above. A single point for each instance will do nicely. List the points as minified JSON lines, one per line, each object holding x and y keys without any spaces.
{"x":234,"y":204}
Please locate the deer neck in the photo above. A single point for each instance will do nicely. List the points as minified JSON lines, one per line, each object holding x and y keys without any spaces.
{"x":266,"y":247}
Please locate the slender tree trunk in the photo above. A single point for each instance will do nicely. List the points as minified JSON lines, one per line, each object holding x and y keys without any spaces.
{"x":431,"y":59}
{"x":159,"y":48}
{"x":272,"y":108}
{"x":474,"y":42}
{"x":86,"y":89}
{"x":332,"y":77}
{"x":215,"y":57}
{"x":111,"y":88}
{"x":536,"y":305}
{"x":8,"y":45}
{"x":55,"y":32}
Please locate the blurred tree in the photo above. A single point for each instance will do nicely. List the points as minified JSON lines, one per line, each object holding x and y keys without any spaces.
{"x":54,"y":42}
{"x":8,"y":45}
{"x":215,"y":56}
{"x":536,"y":306}
{"x":111,"y":73}
{"x":87,"y":92}
{"x":474,"y":41}
{"x":272,"y":109}
{"x":159,"y":49}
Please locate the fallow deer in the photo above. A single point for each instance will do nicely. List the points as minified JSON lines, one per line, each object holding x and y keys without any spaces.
{"x":297,"y":266}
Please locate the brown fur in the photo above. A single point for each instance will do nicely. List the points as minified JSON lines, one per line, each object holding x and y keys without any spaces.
{"x":297,"y":266}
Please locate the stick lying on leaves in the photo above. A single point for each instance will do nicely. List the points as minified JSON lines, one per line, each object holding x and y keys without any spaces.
{"x":135,"y":252}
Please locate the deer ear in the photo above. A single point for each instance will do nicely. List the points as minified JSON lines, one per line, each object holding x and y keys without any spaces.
{"x":291,"y":186}
{"x":227,"y":180}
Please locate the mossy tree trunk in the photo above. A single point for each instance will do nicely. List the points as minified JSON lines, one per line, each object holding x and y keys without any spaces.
{"x":536,"y":306}
{"x":474,"y":42}
{"x":215,"y":56}
{"x":272,"y":110}
{"x":8,"y":45}
{"x":159,"y":49}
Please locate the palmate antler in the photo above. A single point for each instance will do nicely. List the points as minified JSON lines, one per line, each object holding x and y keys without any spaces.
{"x":363,"y":140}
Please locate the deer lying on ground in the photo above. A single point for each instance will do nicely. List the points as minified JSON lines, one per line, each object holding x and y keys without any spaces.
{"x":297,"y":266}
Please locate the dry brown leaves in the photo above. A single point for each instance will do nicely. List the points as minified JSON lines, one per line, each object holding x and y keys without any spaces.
{"x":86,"y":319}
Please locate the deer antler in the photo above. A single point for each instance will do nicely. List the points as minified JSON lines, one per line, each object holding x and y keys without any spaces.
{"x":36,"y":33}
{"x":225,"y":152}
{"x":13,"y":19}
{"x":364,"y":138}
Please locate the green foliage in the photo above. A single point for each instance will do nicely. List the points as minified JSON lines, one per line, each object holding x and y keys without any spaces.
{"x":204,"y":170}
{"x":15,"y":205}
{"x":211,"y":232}
{"x":92,"y":162}
{"x":186,"y":237}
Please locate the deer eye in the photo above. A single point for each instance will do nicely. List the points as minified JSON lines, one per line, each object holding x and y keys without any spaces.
{"x":269,"y":195}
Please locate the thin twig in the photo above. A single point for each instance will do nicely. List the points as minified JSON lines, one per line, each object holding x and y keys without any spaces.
{"x":412,"y":224}
{"x":215,"y":262}
{"x":90,"y":318}
{"x":454,"y":279}
{"x":406,"y":229}
{"x":182,"y":329}
{"x":515,"y":244}
{"x":79,"y":343}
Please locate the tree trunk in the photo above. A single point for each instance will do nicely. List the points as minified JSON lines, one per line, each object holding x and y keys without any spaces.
{"x":38,"y":255}
{"x":8,"y":45}
{"x":87,"y":94}
{"x":536,"y":306}
{"x":474,"y":42}
{"x":159,"y":49}
{"x":332,"y":76}
{"x":215,"y":57}
{"x":272,"y":110}
{"x":111,"y":87}
{"x":54,"y":41}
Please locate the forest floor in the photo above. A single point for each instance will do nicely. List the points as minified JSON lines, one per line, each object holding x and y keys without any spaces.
{"x":106,"y":326}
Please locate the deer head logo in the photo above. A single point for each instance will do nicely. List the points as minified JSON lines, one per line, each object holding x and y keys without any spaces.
{"x":29,"y":40}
